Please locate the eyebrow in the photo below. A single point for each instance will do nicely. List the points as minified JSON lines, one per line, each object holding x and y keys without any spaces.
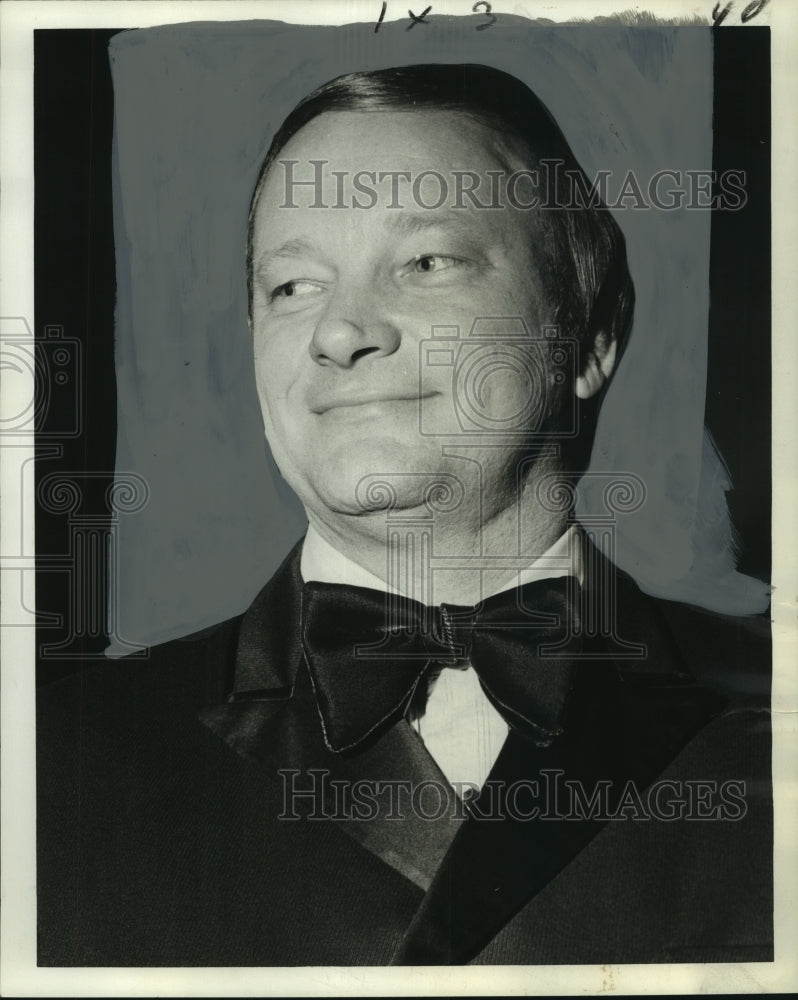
{"x":291,"y":248}
{"x":404,"y":222}
{"x":416,"y":222}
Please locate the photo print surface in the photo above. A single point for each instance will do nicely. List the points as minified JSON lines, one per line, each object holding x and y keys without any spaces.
{"x":404,"y":511}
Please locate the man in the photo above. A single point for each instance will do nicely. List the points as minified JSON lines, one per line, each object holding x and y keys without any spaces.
{"x":447,"y":730}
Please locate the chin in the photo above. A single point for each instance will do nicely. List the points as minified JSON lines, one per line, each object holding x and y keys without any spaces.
{"x":378,"y":475}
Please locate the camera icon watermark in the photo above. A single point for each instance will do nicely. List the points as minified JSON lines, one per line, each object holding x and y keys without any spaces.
{"x":497,"y":381}
{"x":43,"y":380}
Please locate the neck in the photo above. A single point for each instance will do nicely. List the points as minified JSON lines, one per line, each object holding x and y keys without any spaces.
{"x":454,"y":556}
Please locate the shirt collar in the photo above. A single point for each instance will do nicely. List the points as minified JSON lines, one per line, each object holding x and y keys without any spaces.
{"x":322,"y":562}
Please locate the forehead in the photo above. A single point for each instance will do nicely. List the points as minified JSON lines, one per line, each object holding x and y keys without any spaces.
{"x":341,"y":151}
{"x":396,"y":140}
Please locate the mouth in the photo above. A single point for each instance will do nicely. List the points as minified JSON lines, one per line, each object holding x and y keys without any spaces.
{"x":368,"y":399}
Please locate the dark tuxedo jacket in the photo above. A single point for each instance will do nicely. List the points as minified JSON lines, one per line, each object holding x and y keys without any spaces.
{"x":165,"y":836}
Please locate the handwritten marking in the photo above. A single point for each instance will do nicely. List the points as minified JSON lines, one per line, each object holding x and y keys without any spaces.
{"x":420,"y":19}
{"x":487,"y":11}
{"x":754,"y":8}
{"x":751,"y":11}
{"x":718,"y":15}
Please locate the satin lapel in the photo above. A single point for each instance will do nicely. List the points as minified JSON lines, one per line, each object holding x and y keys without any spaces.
{"x":391,"y":799}
{"x":626,"y":722}
{"x":394,"y":801}
{"x":271,"y":719}
{"x":267,"y":656}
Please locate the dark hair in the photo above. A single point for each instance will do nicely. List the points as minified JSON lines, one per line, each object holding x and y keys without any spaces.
{"x":585,"y":269}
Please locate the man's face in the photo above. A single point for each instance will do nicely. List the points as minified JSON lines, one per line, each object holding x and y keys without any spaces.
{"x":343,"y":298}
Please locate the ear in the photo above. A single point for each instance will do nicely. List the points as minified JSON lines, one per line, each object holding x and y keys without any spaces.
{"x":597,"y":367}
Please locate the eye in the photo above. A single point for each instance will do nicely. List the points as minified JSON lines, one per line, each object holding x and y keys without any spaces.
{"x":428,"y":262}
{"x":290,"y":289}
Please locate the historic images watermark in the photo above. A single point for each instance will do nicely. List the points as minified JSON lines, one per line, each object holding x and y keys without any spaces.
{"x":551,"y":186}
{"x":533,"y":366}
{"x":551,"y":796}
{"x":46,"y":379}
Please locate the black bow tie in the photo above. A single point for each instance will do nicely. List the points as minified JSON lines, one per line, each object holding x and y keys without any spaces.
{"x":367,"y":652}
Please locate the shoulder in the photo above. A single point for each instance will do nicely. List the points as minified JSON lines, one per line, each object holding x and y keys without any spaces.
{"x":729,"y":653}
{"x":104,"y":700}
{"x":172,"y":680}
{"x":107,"y":735}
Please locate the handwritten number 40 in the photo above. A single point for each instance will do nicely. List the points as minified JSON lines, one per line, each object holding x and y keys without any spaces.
{"x":720,"y":13}
{"x":480,"y":7}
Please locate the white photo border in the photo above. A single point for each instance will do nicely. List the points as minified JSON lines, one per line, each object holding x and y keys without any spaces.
{"x":19,"y":974}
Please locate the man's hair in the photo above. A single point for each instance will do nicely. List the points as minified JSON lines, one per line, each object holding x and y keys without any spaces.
{"x":583,"y":252}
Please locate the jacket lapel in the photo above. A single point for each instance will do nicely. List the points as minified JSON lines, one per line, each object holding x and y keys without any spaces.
{"x":264,"y":674}
{"x":627,"y":721}
{"x":271,"y":719}
{"x":408,"y":814}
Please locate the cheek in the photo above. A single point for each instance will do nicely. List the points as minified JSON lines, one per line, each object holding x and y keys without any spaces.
{"x":276,"y":359}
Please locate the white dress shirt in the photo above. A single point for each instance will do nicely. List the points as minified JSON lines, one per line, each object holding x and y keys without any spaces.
{"x":461,"y":729}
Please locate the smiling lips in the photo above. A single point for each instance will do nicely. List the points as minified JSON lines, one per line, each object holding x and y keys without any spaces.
{"x":326,"y":402}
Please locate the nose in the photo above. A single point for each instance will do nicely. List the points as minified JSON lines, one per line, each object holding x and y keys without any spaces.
{"x":354,"y":325}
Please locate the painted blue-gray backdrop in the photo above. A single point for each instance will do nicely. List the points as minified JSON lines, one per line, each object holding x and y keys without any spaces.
{"x":196,"y":106}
